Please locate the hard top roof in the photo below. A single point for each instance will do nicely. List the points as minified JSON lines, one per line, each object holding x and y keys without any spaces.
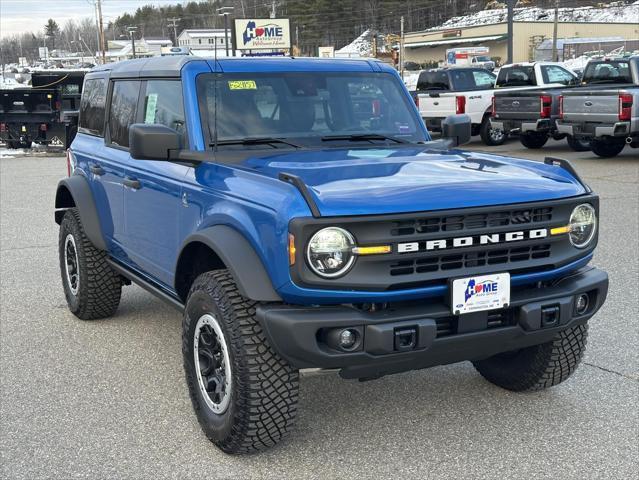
{"x":171,"y":65}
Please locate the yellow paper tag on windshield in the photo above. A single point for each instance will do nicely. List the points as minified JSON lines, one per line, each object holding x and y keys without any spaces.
{"x":242,"y":85}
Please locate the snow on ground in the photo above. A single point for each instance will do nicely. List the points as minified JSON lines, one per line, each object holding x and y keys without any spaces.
{"x":6,"y":153}
{"x":615,"y":12}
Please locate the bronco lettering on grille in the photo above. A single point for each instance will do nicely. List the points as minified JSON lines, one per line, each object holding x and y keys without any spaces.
{"x":485,"y":239}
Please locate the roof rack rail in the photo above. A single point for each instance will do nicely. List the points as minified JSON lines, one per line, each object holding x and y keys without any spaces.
{"x":566,"y":165}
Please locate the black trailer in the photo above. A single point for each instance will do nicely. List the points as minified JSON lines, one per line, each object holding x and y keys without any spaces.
{"x":45,"y":112}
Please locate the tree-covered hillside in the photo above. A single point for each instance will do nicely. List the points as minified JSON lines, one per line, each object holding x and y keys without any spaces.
{"x":314,"y":22}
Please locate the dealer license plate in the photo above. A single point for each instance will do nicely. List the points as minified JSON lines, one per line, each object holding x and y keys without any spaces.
{"x":476,"y":294}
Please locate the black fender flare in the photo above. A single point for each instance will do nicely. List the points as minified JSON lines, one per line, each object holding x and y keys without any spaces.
{"x":240,"y":258}
{"x":75,"y":192}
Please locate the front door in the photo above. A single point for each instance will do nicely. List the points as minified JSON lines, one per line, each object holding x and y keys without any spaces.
{"x":153,"y":195}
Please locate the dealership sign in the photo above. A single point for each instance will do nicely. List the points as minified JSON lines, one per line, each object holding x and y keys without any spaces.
{"x":262,"y":33}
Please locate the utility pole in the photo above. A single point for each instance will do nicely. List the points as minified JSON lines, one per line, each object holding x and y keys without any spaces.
{"x":555,"y":57}
{"x":224,"y":11}
{"x":511,"y":13}
{"x":173,"y":23}
{"x":101,"y":30}
{"x":131,"y":31}
{"x":273,"y":9}
{"x":401,"y":47}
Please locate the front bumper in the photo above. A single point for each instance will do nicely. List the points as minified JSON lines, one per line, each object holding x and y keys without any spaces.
{"x":440,"y":338}
{"x":594,"y":130}
{"x":543,"y":125}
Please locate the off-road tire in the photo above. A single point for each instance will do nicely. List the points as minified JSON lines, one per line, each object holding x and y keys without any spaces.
{"x":537,"y":367}
{"x":533,"y":140}
{"x":264,"y":387}
{"x":100,"y":287}
{"x":485,"y":133}
{"x":607,"y":148}
{"x":578,"y":145}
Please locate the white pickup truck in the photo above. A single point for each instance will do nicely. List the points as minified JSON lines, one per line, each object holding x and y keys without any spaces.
{"x":448,"y":91}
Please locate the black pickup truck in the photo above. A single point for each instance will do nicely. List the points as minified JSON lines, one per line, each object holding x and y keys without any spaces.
{"x":44,"y":112}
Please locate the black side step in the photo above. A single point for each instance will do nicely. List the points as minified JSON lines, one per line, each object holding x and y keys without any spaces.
{"x":298,"y":183}
{"x":146,"y":285}
{"x":566,"y":165}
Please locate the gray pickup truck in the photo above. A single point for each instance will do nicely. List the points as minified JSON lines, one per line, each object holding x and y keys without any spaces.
{"x":532,"y":114}
{"x":606,"y":112}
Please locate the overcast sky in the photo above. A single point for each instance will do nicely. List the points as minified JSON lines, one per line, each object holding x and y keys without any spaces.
{"x":30,"y":15}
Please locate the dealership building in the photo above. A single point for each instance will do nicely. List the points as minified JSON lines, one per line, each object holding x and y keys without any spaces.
{"x":431,"y":45}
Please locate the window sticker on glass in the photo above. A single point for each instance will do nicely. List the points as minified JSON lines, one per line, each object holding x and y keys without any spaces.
{"x":242,"y":85}
{"x":151,"y":104}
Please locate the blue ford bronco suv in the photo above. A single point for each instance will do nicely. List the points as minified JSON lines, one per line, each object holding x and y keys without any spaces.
{"x":300,"y":216}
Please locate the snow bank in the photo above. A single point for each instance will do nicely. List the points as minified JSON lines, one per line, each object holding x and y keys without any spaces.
{"x":615,"y":12}
{"x":362,"y":46}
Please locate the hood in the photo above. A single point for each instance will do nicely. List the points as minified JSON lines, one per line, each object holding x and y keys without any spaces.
{"x":366,"y":181}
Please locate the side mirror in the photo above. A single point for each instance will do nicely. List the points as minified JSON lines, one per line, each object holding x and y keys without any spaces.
{"x":153,"y":141}
{"x":456,"y":129}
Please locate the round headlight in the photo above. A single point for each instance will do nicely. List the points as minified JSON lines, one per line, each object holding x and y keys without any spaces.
{"x":330,"y":252}
{"x":583,"y":225}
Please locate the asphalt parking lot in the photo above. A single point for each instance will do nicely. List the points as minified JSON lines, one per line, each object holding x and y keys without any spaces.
{"x":107,"y":398}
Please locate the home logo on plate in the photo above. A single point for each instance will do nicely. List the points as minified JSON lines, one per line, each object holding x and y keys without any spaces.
{"x":479,"y":289}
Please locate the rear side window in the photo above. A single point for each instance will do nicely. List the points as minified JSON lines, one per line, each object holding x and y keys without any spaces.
{"x":163,"y":104}
{"x":556,"y":74}
{"x":433,"y":81}
{"x":92,"y":106}
{"x":516,"y":77}
{"x":471,"y":79}
{"x":123,"y":109}
{"x":483,"y":79}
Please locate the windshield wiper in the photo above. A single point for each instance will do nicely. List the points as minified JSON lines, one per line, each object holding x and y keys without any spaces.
{"x":361,"y":136}
{"x":255,"y":141}
{"x":606,"y":80}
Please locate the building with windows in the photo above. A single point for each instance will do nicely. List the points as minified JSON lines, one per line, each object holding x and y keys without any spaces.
{"x":532,"y":27}
{"x":203,"y":39}
{"x":145,"y":47}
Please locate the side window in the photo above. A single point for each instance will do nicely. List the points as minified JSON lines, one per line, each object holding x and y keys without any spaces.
{"x":483,"y":79}
{"x":92,"y":107}
{"x":123,"y":108}
{"x":163,"y":104}
{"x":556,"y":74}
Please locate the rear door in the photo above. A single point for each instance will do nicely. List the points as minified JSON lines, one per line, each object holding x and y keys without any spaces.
{"x":113,"y":159}
{"x":153,"y":196}
{"x":477,"y":85}
{"x":104,"y":173}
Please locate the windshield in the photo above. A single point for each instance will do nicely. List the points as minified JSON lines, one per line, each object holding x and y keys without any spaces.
{"x":482,"y":58}
{"x":609,"y":72}
{"x":307,"y":108}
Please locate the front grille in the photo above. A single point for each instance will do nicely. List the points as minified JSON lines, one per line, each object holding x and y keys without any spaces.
{"x":423,"y":262}
{"x":456,"y":223}
{"x":447,"y":262}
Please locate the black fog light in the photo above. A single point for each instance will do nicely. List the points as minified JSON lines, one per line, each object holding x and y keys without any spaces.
{"x":582,"y":303}
{"x":344,"y":339}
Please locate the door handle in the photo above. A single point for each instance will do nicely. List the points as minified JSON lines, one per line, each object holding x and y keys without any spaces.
{"x":96,"y":170}
{"x":132,"y":183}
